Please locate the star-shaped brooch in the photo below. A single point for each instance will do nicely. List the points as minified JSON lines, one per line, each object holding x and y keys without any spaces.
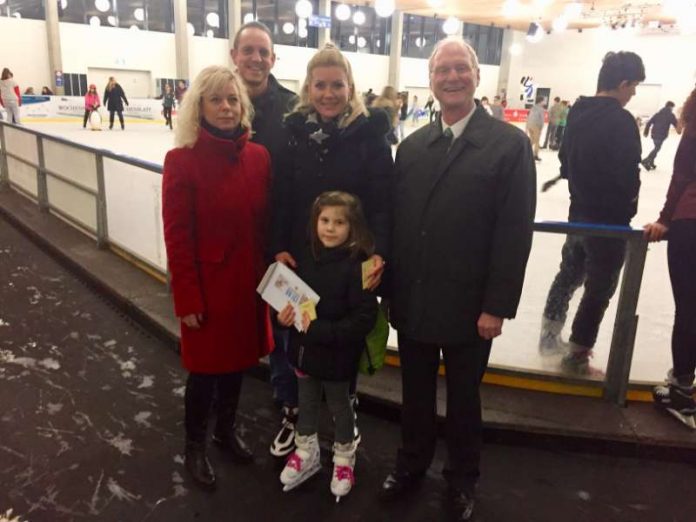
{"x":318,"y":136}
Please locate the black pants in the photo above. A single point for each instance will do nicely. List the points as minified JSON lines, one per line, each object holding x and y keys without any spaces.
{"x":560,"y":131}
{"x":167,"y":112}
{"x":465,"y":365}
{"x":120,"y":118}
{"x":550,"y":139}
{"x":650,"y":158}
{"x":681,"y":256}
{"x":202,"y":390}
{"x":84,"y":120}
{"x":596,"y":262}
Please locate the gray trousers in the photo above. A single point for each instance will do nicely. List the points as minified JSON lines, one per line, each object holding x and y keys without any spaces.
{"x":12,"y":112}
{"x":309,"y":394}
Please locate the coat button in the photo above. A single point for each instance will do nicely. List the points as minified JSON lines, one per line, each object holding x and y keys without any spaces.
{"x":418,"y":281}
{"x":423,"y":233}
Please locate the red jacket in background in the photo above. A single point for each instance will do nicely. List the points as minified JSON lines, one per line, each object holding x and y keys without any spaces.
{"x":215,"y":213}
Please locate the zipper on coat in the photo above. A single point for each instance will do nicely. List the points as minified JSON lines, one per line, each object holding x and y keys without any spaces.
{"x":299,"y":358}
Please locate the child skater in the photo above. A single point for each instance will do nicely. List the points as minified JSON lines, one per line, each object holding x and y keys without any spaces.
{"x":326,"y":353}
{"x":168,"y":103}
{"x":92,"y":103}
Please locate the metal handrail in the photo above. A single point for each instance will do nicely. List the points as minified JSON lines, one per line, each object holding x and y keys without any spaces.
{"x":625,"y":324}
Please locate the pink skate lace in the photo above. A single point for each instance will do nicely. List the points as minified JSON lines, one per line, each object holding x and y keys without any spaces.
{"x":294,"y":461}
{"x":345,"y":473}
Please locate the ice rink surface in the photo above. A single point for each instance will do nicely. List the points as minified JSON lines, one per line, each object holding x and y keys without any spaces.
{"x":517,"y":348}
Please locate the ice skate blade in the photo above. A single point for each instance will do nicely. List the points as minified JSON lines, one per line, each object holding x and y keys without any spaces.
{"x":305,"y":478}
{"x":687,"y":420}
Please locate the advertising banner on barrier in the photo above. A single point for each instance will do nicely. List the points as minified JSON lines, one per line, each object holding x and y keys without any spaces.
{"x":74,"y":106}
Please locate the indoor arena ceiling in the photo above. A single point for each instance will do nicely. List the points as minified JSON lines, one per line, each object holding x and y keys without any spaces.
{"x":518,"y":14}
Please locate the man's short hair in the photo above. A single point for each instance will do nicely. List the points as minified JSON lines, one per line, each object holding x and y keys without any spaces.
{"x":557,"y":99}
{"x":254,"y":24}
{"x":540,"y":99}
{"x":623,"y":66}
{"x":459,"y":41}
{"x":669,"y":105}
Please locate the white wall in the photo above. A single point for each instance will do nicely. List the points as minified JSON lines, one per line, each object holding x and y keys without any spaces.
{"x":569,"y":63}
{"x":204,"y":51}
{"x":414,"y":77}
{"x":83,"y":46}
{"x":24,"y":50}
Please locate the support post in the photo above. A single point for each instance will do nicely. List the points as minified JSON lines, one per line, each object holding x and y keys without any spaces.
{"x":626,"y":323}
{"x":55,"y":57}
{"x":41,"y":182}
{"x":181,"y":40}
{"x":397,"y":29}
{"x":4,"y":169}
{"x":102,"y":222}
{"x":234,"y":19}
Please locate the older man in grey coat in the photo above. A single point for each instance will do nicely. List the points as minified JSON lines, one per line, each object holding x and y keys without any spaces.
{"x":463,"y":215}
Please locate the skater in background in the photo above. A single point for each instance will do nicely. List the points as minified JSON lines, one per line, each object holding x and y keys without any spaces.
{"x":660,"y":123}
{"x":562,"y":123}
{"x":679,"y":217}
{"x":92,"y":103}
{"x":114,"y":98}
{"x":46,"y":91}
{"x":389,"y":102}
{"x":168,"y":103}
{"x":325,"y":354}
{"x":10,"y":96}
{"x":180,"y":91}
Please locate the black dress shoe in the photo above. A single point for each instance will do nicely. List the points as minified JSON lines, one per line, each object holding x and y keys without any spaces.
{"x":199,"y":467}
{"x":461,"y":503}
{"x":230,"y":441}
{"x":397,"y":484}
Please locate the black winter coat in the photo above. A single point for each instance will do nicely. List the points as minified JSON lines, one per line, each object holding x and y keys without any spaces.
{"x":463,"y":224}
{"x":114,"y":98}
{"x":357,"y":160}
{"x":599,"y":156}
{"x":269,"y":111}
{"x":331,"y":347}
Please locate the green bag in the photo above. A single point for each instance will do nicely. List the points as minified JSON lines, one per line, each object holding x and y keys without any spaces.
{"x":372,"y":358}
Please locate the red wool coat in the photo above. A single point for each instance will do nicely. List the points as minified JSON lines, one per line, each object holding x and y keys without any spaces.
{"x":214,"y":206}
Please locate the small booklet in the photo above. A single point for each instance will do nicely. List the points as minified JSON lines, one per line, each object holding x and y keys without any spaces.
{"x":367,"y":267}
{"x":280,"y":286}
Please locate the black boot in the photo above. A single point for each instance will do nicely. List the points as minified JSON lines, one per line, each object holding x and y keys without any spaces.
{"x":226,"y":435}
{"x":198,"y":465}
{"x":229,"y":440}
{"x":398,"y":484}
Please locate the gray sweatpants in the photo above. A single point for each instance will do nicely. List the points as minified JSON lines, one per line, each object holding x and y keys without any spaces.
{"x":337,"y":398}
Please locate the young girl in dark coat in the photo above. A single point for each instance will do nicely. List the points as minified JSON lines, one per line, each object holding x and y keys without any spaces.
{"x":327,"y":352}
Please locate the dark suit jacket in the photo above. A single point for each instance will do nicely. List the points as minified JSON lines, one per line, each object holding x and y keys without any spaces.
{"x":462,"y":228}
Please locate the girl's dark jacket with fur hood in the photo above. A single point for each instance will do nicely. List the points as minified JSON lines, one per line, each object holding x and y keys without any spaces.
{"x":331,"y":347}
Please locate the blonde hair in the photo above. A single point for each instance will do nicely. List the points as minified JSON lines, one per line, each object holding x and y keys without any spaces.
{"x":330,"y":56}
{"x":458,"y":40}
{"x":209,"y":81}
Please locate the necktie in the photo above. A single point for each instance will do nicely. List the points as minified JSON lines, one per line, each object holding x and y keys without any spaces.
{"x":447,"y":137}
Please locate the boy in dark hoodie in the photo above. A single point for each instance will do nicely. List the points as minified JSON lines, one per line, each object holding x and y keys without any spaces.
{"x":599,"y":157}
{"x":660,"y":123}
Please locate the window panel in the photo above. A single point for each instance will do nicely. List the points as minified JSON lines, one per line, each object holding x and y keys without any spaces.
{"x":29,"y":9}
{"x":370,"y":37}
{"x":208,"y":17}
{"x":147,"y":15}
{"x":281,"y":19}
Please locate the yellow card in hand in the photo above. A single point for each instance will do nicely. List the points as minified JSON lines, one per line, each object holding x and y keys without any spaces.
{"x":367,"y":267}
{"x":309,"y":308}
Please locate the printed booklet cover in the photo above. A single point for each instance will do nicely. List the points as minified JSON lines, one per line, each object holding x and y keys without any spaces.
{"x":280,"y":286}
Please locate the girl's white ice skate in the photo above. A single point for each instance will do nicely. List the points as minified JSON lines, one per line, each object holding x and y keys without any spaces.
{"x":303,"y":463}
{"x":343,"y":478}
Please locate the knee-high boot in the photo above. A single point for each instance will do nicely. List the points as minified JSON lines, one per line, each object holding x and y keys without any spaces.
{"x":226,"y":434}
{"x":199,"y":396}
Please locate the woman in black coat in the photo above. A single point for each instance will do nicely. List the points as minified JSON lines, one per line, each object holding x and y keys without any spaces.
{"x":114,"y":97}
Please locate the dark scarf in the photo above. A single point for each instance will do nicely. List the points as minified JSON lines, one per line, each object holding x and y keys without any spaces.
{"x":321,"y":135}
{"x":222,"y":134}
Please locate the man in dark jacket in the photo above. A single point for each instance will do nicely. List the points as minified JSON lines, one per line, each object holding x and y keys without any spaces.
{"x":253,"y":55}
{"x":599,"y":158}
{"x":660,"y":123}
{"x":463,"y":215}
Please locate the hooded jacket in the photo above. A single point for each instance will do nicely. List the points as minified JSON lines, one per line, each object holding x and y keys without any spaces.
{"x":660,"y":123}
{"x":599,"y":157}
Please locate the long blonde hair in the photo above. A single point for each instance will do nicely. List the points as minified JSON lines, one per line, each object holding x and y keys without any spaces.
{"x":330,"y":56}
{"x":209,"y":81}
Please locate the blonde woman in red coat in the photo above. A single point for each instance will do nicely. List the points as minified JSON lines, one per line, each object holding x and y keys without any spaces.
{"x":215,"y":212}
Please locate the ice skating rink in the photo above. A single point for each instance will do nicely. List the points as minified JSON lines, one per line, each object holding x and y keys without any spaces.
{"x":517,"y":348}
